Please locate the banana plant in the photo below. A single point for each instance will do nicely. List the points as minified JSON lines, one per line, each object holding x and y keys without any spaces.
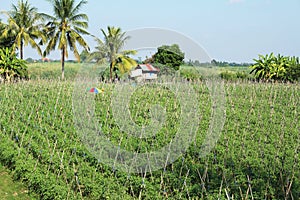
{"x":278,"y":67}
{"x":293,"y":69}
{"x":10,"y":66}
{"x":261,"y":68}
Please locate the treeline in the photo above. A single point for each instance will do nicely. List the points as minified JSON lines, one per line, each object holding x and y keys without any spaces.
{"x":216,"y":63}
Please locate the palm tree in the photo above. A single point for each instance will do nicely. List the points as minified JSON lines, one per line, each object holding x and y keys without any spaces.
{"x":65,"y":27}
{"x":24,"y":24}
{"x":111,"y":50}
{"x":5,"y":41}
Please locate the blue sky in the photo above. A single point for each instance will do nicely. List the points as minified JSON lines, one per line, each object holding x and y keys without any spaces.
{"x":229,"y":30}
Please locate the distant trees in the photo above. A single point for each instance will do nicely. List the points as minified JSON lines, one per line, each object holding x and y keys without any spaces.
{"x":65,"y":29}
{"x":279,"y":68}
{"x":229,"y":64}
{"x":84,"y":55}
{"x":170,"y":56}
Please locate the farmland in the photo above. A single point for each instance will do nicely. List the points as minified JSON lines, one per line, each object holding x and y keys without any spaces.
{"x":53,"y":70}
{"x":256,"y":156}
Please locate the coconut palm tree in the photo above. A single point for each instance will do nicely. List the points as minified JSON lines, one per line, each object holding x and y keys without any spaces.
{"x":65,"y":28}
{"x":5,"y":41}
{"x":24,"y":23}
{"x":110,"y":49}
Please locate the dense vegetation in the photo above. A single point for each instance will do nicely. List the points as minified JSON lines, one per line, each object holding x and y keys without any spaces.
{"x":168,"y":55}
{"x":11,"y":67}
{"x":256,"y":157}
{"x":111,"y":50}
{"x":10,"y":189}
{"x":276,"y":68}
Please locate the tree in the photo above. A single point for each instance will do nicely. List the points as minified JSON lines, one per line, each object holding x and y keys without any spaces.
{"x":24,"y":24}
{"x":84,"y":55}
{"x":5,"y":41}
{"x":170,"y":56}
{"x":110,"y":49}
{"x":65,"y":29}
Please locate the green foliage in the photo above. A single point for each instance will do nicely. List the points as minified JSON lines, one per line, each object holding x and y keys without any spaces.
{"x":11,"y":68}
{"x":65,"y":28}
{"x":24,"y":23}
{"x":10,"y":189}
{"x":84,"y":55}
{"x":170,"y":56}
{"x":110,"y":50}
{"x":293,"y":69}
{"x":233,"y":75}
{"x":105,"y":75}
{"x":5,"y":41}
{"x":257,"y":156}
{"x":52,"y":70}
{"x":191,"y":74}
{"x":164,"y":70}
{"x":228,"y":64}
{"x":280,"y":68}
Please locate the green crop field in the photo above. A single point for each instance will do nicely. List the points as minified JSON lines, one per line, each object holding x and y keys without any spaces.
{"x":256,"y":156}
{"x":52,"y":70}
{"x":10,"y":189}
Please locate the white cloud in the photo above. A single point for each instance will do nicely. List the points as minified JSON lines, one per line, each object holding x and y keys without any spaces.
{"x":235,"y":1}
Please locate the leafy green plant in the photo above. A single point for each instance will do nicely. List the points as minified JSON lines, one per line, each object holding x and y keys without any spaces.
{"x":228,"y":75}
{"x":190,"y":74}
{"x":256,"y":157}
{"x":5,"y":41}
{"x":280,"y":68}
{"x":261,"y":68}
{"x":293,"y":70}
{"x":12,"y":68}
{"x":170,"y":56}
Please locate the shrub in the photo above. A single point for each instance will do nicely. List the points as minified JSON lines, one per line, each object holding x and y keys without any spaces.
{"x":278,"y":68}
{"x":228,"y":75}
{"x":11,"y":68}
{"x":190,"y":74}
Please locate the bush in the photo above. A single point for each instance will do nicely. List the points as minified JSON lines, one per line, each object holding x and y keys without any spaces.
{"x":11,"y":68}
{"x":164,"y":70}
{"x":190,"y":74}
{"x":276,"y":68}
{"x":231,"y":75}
{"x":228,"y":75}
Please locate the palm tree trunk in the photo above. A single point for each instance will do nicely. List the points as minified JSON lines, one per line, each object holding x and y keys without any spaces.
{"x":21,"y":50}
{"x":63,"y":63}
{"x":110,"y":71}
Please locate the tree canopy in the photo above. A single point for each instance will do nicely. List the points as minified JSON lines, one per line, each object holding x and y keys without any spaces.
{"x":110,"y":49}
{"x":5,"y":41}
{"x":170,"y":56}
{"x":24,"y":25}
{"x":65,"y":28}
